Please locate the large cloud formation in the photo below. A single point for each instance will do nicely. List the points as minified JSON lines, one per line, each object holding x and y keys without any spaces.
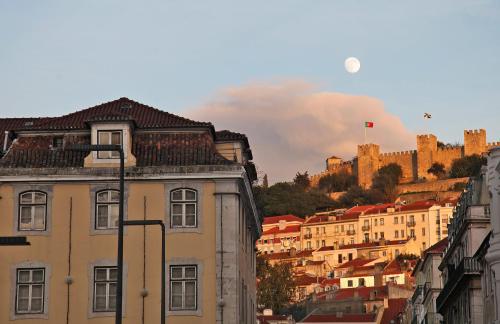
{"x":292,"y":127}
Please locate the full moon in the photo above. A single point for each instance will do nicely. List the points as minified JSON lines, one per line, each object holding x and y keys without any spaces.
{"x":352,"y":65}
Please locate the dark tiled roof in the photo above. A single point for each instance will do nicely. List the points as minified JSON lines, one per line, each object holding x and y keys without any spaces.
{"x":167,"y":149}
{"x":225,"y":135}
{"x":144,"y":116}
{"x":268,"y":220}
{"x":344,"y":318}
{"x":9,"y":124}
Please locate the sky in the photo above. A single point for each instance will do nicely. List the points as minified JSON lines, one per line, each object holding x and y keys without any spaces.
{"x":271,"y":69}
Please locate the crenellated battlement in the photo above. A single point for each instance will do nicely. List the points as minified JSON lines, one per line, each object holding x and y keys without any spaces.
{"x":401,"y":153}
{"x":450,"y":148}
{"x":426,"y":136}
{"x":474,"y":131}
{"x":493,"y":144}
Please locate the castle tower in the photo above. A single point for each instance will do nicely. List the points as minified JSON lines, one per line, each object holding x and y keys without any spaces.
{"x":474,"y":141}
{"x":368,"y":163}
{"x":332,"y":163}
{"x":426,"y":151}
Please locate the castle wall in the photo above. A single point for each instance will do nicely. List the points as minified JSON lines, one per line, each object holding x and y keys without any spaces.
{"x":426,"y":148}
{"x":492,"y":145}
{"x":332,"y":169}
{"x":447,"y":155}
{"x":407,"y":160}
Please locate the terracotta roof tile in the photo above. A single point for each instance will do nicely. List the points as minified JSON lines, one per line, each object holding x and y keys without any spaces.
{"x":275,"y":219}
{"x":143,"y":115}
{"x":365,"y":293}
{"x":395,"y":309}
{"x":288,"y":229}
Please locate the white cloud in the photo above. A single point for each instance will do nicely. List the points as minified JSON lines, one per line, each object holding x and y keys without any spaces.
{"x":292,"y":127}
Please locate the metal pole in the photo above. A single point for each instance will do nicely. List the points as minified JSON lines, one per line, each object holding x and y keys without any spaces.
{"x":119,"y":287}
{"x":163,"y":263}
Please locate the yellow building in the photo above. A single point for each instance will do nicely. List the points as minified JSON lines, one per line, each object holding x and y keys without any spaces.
{"x":424,"y":222}
{"x":280,"y":234}
{"x":183,"y":172}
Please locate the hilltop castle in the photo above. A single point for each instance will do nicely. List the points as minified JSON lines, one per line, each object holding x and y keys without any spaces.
{"x":414,"y":163}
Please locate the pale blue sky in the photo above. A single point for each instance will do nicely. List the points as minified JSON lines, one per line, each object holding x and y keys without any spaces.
{"x":441,"y":57}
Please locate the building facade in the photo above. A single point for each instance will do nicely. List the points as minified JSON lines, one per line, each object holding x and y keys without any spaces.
{"x":461,"y":300}
{"x":194,"y":179}
{"x":280,"y":234}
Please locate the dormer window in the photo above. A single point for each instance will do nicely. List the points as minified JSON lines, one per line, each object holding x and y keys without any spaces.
{"x":106,"y":137}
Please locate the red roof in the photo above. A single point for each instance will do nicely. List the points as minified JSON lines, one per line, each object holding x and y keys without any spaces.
{"x":358,"y":262}
{"x":276,"y":219}
{"x":306,"y":280}
{"x":144,"y":116}
{"x":348,"y":318}
{"x":331,"y":282}
{"x":394,"y":267}
{"x":361,"y":245}
{"x":288,"y":229}
{"x":437,"y":248}
{"x":396,"y":307}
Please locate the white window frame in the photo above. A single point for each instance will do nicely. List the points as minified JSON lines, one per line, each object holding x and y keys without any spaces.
{"x":108,"y":282}
{"x":109,"y":154}
{"x":183,"y":280}
{"x":183,"y":202}
{"x":33,"y":206}
{"x":30,"y":283}
{"x":107,"y":203}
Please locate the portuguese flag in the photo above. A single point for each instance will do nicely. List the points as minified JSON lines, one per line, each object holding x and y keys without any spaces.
{"x":369,"y":124}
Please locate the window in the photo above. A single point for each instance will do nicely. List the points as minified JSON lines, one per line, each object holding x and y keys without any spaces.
{"x":107,"y":206}
{"x":324,"y":230}
{"x":105,"y":289}
{"x":308,"y":245}
{"x":349,"y":283}
{"x":183,"y":208}
{"x":423,"y":231}
{"x":361,"y":282}
{"x":396,"y":234}
{"x":342,"y":228}
{"x":339,"y":258}
{"x":30,"y":289}
{"x":412,"y":233}
{"x":423,"y":217}
{"x":352,"y":240}
{"x":350,"y":256}
{"x":32,"y":211}
{"x":381,"y":221}
{"x":323,"y":243}
{"x":109,"y":138}
{"x":375,"y":222}
{"x":402,"y":233}
{"x":317,"y":244}
{"x":183,"y":282}
{"x":57,"y":142}
{"x":367,"y":239}
{"x":395,"y":220}
{"x":336,"y":228}
{"x":317,"y":230}
{"x":396,"y":252}
{"x":381,"y":235}
{"x":376,"y":235}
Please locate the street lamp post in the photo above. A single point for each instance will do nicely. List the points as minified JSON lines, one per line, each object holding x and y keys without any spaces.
{"x":163,"y":274}
{"x":119,"y":284}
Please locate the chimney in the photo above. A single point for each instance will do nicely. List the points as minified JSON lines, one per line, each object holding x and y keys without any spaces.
{"x":282,"y":224}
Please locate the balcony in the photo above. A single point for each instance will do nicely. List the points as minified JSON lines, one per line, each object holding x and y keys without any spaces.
{"x":365,"y":227}
{"x":468,"y":267}
{"x":417,"y":295}
{"x":410,"y":223}
{"x":308,"y":236}
{"x":427,"y":288}
{"x":351,"y":232}
{"x":432,"y":318}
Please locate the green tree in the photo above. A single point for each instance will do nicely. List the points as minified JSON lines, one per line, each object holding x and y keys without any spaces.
{"x":337,"y":182}
{"x":302,"y":180}
{"x":287,"y":198}
{"x":386,"y":180}
{"x":275,"y":287}
{"x":356,"y":195}
{"x":437,"y":169}
{"x":468,"y":166}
